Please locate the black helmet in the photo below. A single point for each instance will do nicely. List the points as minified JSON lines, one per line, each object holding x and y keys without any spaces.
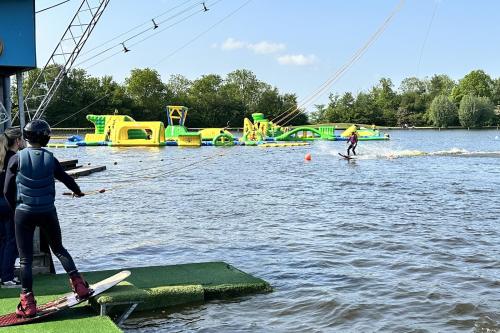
{"x":37,"y":131}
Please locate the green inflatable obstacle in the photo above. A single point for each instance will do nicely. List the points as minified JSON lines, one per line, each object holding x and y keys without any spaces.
{"x":305,"y":133}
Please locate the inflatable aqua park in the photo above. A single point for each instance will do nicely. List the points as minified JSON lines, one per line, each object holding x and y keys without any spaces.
{"x":123,"y":131}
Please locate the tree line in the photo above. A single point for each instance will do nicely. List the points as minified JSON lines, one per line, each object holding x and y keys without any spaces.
{"x":216,"y":101}
{"x":213,"y":100}
{"x":473,"y":101}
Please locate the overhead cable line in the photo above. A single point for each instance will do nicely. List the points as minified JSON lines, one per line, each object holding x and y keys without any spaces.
{"x":82,"y":109}
{"x":138,"y":26}
{"x":56,"y":5}
{"x":192,"y":40}
{"x":436,"y":5}
{"x":156,"y":24}
{"x":340,"y":72}
{"x":141,"y":40}
{"x":204,"y":32}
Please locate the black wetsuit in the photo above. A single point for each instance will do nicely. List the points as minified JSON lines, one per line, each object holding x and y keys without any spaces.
{"x":27,"y":218}
{"x":8,"y":248}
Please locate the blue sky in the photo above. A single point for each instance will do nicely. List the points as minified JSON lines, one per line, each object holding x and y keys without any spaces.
{"x":295,"y":45}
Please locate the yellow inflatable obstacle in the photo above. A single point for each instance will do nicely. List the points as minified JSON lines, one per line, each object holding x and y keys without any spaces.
{"x":122,"y":130}
{"x":154,"y":131}
{"x":208,"y":134}
{"x":364,"y":133}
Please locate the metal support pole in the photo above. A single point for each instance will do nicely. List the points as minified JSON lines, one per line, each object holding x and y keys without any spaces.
{"x":2,"y":106}
{"x":8,"y":102}
{"x":127,"y":313}
{"x":20,"y":98}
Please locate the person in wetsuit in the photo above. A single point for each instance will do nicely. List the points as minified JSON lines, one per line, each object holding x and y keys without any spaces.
{"x":30,"y":192}
{"x":10,"y":142}
{"x":353,"y":142}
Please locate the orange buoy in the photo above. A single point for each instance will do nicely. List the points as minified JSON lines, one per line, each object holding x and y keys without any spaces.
{"x":308,"y":157}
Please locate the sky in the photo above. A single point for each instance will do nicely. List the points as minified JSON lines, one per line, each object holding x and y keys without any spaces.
{"x":295,"y":45}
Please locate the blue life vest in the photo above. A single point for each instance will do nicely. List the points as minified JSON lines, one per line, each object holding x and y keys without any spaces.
{"x":35,"y":180}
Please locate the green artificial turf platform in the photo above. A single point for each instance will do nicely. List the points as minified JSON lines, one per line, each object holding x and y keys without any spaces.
{"x":152,"y":287}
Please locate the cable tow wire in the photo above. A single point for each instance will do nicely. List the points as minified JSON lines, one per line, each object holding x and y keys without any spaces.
{"x":56,"y":5}
{"x":82,"y":109}
{"x":204,"y":32}
{"x":170,"y":26}
{"x":163,"y":59}
{"x":434,"y":11}
{"x":142,"y":32}
{"x":137,"y":27}
{"x":188,"y":166}
{"x":129,"y":182}
{"x":285,"y":117}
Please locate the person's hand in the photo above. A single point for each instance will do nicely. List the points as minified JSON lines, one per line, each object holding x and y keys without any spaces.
{"x":79,"y":195}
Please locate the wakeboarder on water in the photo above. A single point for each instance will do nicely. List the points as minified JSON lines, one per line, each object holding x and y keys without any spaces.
{"x":30,"y":192}
{"x":352,"y":141}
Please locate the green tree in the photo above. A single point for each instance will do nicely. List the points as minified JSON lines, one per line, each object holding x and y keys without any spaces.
{"x":205,"y":102}
{"x":366,"y":110}
{"x":340,"y":109}
{"x":33,"y":91}
{"x":112,"y":96}
{"x":476,"y":83}
{"x":496,"y":100}
{"x":495,"y":93}
{"x":74,"y":99}
{"x":290,"y":103}
{"x":440,"y":84}
{"x":243,"y":84}
{"x":413,"y":85}
{"x":386,"y":100}
{"x":178,"y":87}
{"x":149,"y":93}
{"x":319,"y":114}
{"x":412,"y":108}
{"x":270,"y":103}
{"x":443,"y":112}
{"x":475,"y":111}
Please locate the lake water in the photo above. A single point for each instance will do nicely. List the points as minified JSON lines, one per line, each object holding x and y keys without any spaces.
{"x":406,"y":238}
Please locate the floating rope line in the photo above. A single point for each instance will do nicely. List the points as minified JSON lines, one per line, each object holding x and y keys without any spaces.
{"x":130,"y":174}
{"x":186,"y":167}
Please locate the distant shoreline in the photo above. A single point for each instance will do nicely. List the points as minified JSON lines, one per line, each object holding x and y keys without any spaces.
{"x":339,"y":127}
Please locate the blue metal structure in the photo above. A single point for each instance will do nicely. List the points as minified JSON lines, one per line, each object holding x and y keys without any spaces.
{"x":17,"y":36}
{"x":17,"y":49}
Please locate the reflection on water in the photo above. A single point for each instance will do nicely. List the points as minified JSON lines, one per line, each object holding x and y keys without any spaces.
{"x":403,"y":239}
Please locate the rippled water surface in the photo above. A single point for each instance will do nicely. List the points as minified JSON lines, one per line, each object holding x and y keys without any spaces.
{"x":404,"y":239}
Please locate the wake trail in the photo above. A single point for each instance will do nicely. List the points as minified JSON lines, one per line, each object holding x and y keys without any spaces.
{"x":371,"y":153}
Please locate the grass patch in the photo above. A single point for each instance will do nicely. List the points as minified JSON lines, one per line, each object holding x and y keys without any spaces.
{"x":154,"y":287}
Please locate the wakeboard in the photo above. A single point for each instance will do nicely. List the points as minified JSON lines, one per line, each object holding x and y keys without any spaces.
{"x":64,"y":302}
{"x":346,"y":157}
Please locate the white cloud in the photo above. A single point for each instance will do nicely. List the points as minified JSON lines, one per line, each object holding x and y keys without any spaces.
{"x":297,"y":59}
{"x":265,"y":47}
{"x":232,"y":44}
